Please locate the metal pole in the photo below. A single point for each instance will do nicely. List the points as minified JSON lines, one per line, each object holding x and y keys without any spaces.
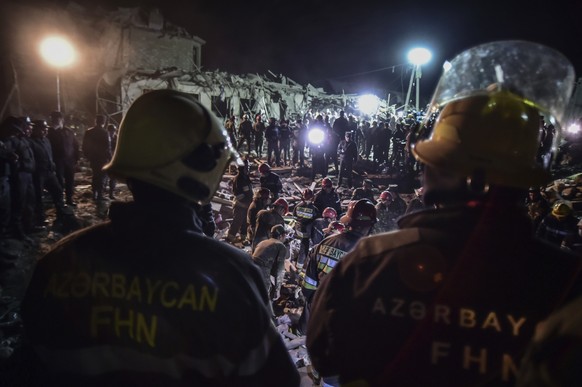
{"x":418,"y":75}
{"x":58,"y":91}
{"x":409,"y":90}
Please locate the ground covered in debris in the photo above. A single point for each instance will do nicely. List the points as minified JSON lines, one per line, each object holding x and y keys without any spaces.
{"x":18,"y":257}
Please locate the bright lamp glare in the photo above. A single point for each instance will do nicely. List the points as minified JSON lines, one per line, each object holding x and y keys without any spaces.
{"x":57,"y":51}
{"x":315,"y":136}
{"x":419,"y":56}
{"x":368,"y":104}
{"x":573,"y":129}
{"x":447,"y":66}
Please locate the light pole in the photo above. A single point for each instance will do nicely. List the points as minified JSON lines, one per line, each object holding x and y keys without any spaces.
{"x":418,"y":57}
{"x":59,"y":53}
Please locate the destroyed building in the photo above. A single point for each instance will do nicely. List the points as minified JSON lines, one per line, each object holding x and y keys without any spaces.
{"x":126,"y":52}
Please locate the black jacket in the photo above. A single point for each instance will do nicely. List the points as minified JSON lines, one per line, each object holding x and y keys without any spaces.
{"x":451,"y":299}
{"x":146,"y":299}
{"x":65,"y":145}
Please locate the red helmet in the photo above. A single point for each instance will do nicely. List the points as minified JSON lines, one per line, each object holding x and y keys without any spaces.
{"x":385,"y":196}
{"x":326,"y":182}
{"x":361,"y":213}
{"x":264,"y":168}
{"x":334,"y":226}
{"x":329,"y":212}
{"x":282,"y":203}
{"x":307,"y":194}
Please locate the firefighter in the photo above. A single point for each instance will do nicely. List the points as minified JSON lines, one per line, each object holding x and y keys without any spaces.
{"x":453,"y":297}
{"x":559,"y":225}
{"x":305,"y":214}
{"x":386,"y":218}
{"x":358,"y":220}
{"x":328,"y":215}
{"x":146,"y":298}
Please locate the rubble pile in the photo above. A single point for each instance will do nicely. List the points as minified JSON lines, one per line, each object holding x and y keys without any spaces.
{"x":18,"y":257}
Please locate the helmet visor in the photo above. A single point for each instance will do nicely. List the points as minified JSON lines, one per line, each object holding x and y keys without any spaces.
{"x":537,"y":73}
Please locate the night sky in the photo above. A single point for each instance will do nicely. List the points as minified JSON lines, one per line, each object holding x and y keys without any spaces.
{"x":360,"y":42}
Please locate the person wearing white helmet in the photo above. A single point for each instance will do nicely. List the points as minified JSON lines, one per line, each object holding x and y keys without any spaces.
{"x":453,"y":297}
{"x":146,"y":298}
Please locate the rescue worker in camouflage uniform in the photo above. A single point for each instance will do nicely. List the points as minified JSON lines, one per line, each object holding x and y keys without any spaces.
{"x":268,"y":218}
{"x":146,"y":298}
{"x":304,"y":214}
{"x":358,"y":220}
{"x":261,"y":199}
{"x":453,"y":297}
{"x":270,"y":256}
{"x":242,"y":188}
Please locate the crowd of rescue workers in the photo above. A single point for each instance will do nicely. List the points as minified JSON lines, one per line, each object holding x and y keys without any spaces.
{"x":372,"y":273}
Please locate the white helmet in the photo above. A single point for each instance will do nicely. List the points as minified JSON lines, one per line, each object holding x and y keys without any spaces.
{"x":168,"y":139}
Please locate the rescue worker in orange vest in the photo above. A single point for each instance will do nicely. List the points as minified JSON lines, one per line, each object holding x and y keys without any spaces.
{"x":145,"y":298}
{"x":453,"y":297}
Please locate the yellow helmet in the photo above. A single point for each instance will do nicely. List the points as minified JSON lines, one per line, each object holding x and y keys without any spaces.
{"x":497,"y":133}
{"x":561,"y":210}
{"x":171,"y":141}
{"x":489,"y":104}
